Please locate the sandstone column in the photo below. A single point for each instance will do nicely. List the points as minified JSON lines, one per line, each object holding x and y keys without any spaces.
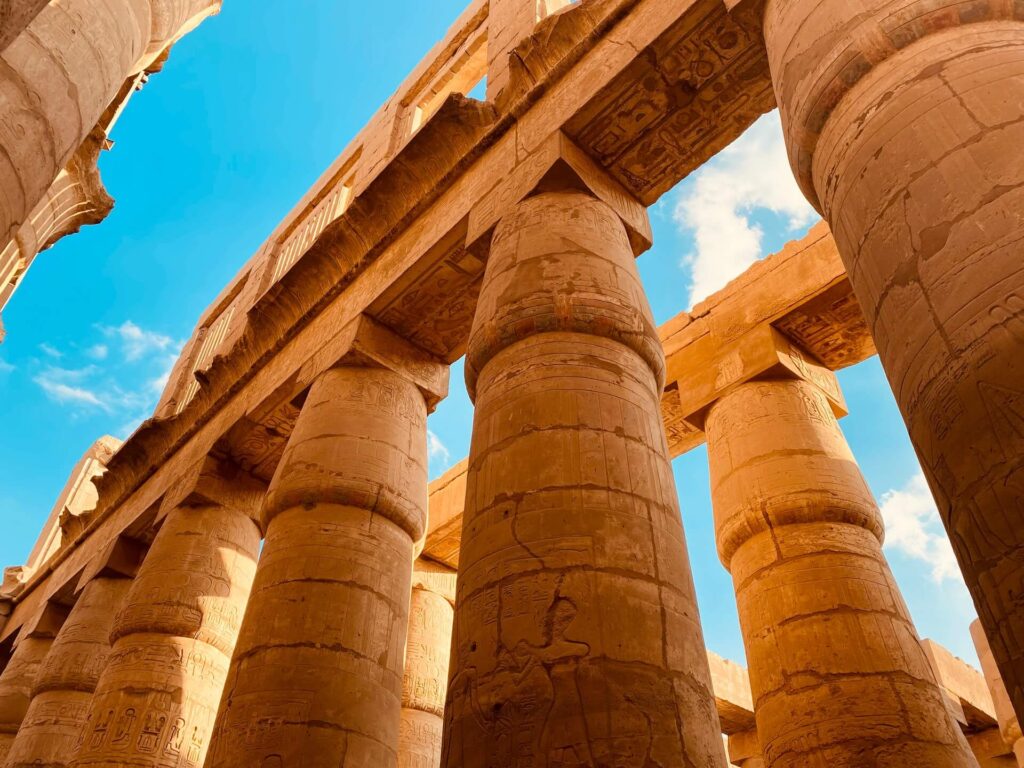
{"x":53,"y":725}
{"x":19,"y":676}
{"x":837,"y":671}
{"x":1009,"y":727}
{"x":905,"y":122}
{"x":577,"y":640}
{"x":58,"y":77}
{"x":156,"y":700}
{"x":316,"y":680}
{"x":426,"y":665}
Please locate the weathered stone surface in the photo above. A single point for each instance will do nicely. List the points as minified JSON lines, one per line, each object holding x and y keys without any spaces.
{"x":57,"y":715}
{"x":425,"y":681}
{"x":316,"y":679}
{"x":904,"y":122}
{"x":577,"y":639}
{"x":156,"y":700}
{"x":837,"y":671}
{"x":16,"y":687}
{"x":1009,"y":726}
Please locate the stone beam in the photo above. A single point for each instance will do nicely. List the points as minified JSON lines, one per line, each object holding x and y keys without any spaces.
{"x":964,"y":687}
{"x":792,"y":313}
{"x":386,"y":231}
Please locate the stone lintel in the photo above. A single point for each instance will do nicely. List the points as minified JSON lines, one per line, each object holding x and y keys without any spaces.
{"x":214,"y":482}
{"x":964,"y":687}
{"x":731,"y":686}
{"x":447,"y":496}
{"x":990,"y":749}
{"x":744,"y":746}
{"x":706,"y":370}
{"x":558,"y":163}
{"x":120,"y":560}
{"x":364,"y":342}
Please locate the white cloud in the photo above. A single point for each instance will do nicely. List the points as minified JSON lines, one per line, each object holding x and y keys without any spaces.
{"x":137,"y":342}
{"x":914,"y":529}
{"x":716,"y":207}
{"x":65,"y":387}
{"x":5,"y":367}
{"x":50,"y":351}
{"x":437,"y":450}
{"x":98,"y":351}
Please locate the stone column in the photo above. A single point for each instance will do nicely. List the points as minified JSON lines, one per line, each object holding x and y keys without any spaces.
{"x":904,"y":122}
{"x":19,"y":676}
{"x":156,"y":700}
{"x":53,"y":725}
{"x":61,"y":73}
{"x":426,"y":665}
{"x":316,"y":679}
{"x":836,"y":668}
{"x":64,"y":687}
{"x":1009,"y":726}
{"x":577,"y":639}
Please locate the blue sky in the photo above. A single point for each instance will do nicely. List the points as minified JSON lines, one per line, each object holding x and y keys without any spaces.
{"x":248,"y":112}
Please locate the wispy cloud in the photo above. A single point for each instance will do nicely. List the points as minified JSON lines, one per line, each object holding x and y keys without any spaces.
{"x":137,"y":342}
{"x":5,"y":367}
{"x":717,"y":205}
{"x":437,"y":450}
{"x":98,"y":351}
{"x":126,"y":389}
{"x":51,"y":351}
{"x":65,"y":386}
{"x":914,"y":529}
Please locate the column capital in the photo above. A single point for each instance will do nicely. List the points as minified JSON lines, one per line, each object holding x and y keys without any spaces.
{"x":120,"y":560}
{"x":45,"y":624}
{"x":557,"y":164}
{"x":214,"y":482}
{"x":366,"y":343}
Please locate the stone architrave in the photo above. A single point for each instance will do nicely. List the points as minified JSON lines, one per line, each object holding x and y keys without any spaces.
{"x":22,"y":670}
{"x":577,"y":638}
{"x":904,"y":122}
{"x":1009,"y":726}
{"x":156,"y":700}
{"x":428,"y":647}
{"x":837,"y":671}
{"x":316,"y":680}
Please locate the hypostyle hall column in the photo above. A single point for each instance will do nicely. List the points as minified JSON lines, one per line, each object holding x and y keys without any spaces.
{"x":577,"y":640}
{"x":836,"y":668}
{"x":156,"y":700}
{"x":905,"y":122}
{"x":316,"y":680}
{"x":60,"y":74}
{"x":53,"y":726}
{"x":19,"y":676}
{"x":425,"y":682}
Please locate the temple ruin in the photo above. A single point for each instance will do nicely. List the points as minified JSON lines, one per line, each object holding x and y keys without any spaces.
{"x":262,"y":576}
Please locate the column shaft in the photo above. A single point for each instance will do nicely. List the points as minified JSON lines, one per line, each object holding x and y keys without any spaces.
{"x":426,"y":665}
{"x":905,"y":121}
{"x":316,"y":679}
{"x":16,"y":687}
{"x":836,"y":668}
{"x":577,"y":639}
{"x":157,"y":697}
{"x":54,"y":723}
